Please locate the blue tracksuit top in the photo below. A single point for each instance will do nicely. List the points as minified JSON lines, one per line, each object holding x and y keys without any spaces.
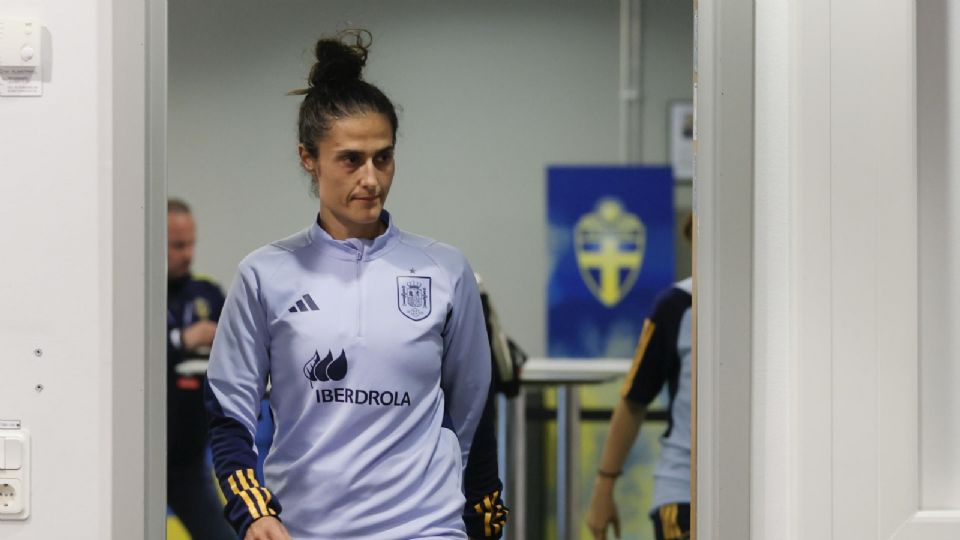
{"x":379,"y":369}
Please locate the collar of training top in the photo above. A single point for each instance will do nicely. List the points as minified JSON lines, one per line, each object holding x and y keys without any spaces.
{"x":356,"y":248}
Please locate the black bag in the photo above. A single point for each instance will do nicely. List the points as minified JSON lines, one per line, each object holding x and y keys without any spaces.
{"x":507,"y":357}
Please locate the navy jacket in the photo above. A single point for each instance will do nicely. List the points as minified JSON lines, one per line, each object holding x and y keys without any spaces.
{"x":189,"y":300}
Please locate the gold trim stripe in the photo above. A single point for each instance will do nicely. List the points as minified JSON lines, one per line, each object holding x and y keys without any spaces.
{"x":242,"y":479}
{"x":255,"y":487}
{"x":267,"y":497}
{"x":669,"y":521}
{"x":256,"y":510}
{"x":233,"y":485}
{"x":250,"y":506}
{"x":645,"y":336}
{"x":494,"y":514}
{"x":253,"y":478}
{"x":261,"y":504}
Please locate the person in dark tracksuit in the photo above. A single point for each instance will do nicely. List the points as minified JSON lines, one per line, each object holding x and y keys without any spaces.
{"x":194,"y":304}
{"x":663,"y":358}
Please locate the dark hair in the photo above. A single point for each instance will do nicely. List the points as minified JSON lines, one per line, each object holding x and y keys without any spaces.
{"x":336,"y":90}
{"x":177,"y":206}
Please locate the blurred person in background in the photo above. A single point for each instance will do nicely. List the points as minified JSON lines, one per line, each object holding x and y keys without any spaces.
{"x":193,"y":307}
{"x":663,"y":357}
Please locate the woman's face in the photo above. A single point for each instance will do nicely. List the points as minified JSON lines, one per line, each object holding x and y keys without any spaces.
{"x":353,"y":170}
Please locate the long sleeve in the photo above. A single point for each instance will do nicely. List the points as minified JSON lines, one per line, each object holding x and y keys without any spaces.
{"x":656,"y":360}
{"x":466,"y":383}
{"x":484,"y":512}
{"x":236,"y":381}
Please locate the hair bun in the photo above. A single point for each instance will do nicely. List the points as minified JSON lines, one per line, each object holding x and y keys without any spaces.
{"x":340,"y":59}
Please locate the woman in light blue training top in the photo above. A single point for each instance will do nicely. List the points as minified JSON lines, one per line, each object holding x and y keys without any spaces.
{"x":373,"y":340}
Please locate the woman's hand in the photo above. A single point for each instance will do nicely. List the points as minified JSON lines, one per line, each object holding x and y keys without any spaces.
{"x":603,"y":510}
{"x":267,"y":528}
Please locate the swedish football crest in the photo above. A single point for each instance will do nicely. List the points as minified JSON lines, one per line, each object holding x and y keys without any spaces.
{"x":413,"y":296}
{"x":202,"y":309}
{"x":610,"y":244}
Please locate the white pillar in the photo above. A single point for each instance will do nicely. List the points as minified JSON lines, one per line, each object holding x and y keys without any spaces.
{"x":79,"y":286}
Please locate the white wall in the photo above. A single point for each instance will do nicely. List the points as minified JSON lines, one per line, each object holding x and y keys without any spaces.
{"x":667,"y":69}
{"x":491,"y":93}
{"x":667,"y":73}
{"x":72,"y":215}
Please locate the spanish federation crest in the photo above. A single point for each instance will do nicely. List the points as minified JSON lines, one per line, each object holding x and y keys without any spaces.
{"x":610,"y":244}
{"x":414,"y":296}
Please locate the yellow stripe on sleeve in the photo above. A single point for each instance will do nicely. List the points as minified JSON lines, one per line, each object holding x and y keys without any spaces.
{"x":494,"y":514}
{"x":233,"y":485}
{"x":669,"y":515}
{"x":645,"y":336}
{"x":253,"y":478}
{"x":243,"y":481}
{"x":261,"y":504}
{"x":250,"y":506}
{"x":268,"y":497}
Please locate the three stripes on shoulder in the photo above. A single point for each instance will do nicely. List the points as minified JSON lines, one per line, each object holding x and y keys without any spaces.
{"x":304,"y":304}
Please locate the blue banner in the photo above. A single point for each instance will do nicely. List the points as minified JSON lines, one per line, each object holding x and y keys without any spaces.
{"x":611,"y":248}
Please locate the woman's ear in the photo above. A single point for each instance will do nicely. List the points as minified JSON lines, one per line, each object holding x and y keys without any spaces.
{"x":308,"y":162}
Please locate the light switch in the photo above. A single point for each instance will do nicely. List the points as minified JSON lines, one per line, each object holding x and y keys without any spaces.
{"x":14,"y":473}
{"x":19,"y":43}
{"x":14,"y":454}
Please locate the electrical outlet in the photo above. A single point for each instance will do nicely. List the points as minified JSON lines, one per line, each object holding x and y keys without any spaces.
{"x":11,"y":496}
{"x":14,"y":473}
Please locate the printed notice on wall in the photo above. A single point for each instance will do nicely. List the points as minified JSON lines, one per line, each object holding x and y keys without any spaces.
{"x":20,"y":82}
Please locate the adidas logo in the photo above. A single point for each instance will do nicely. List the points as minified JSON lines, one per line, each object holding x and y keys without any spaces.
{"x":304,"y":304}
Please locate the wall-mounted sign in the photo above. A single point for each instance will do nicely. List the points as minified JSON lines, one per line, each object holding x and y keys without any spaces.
{"x":611,"y":249}
{"x":681,"y":139}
